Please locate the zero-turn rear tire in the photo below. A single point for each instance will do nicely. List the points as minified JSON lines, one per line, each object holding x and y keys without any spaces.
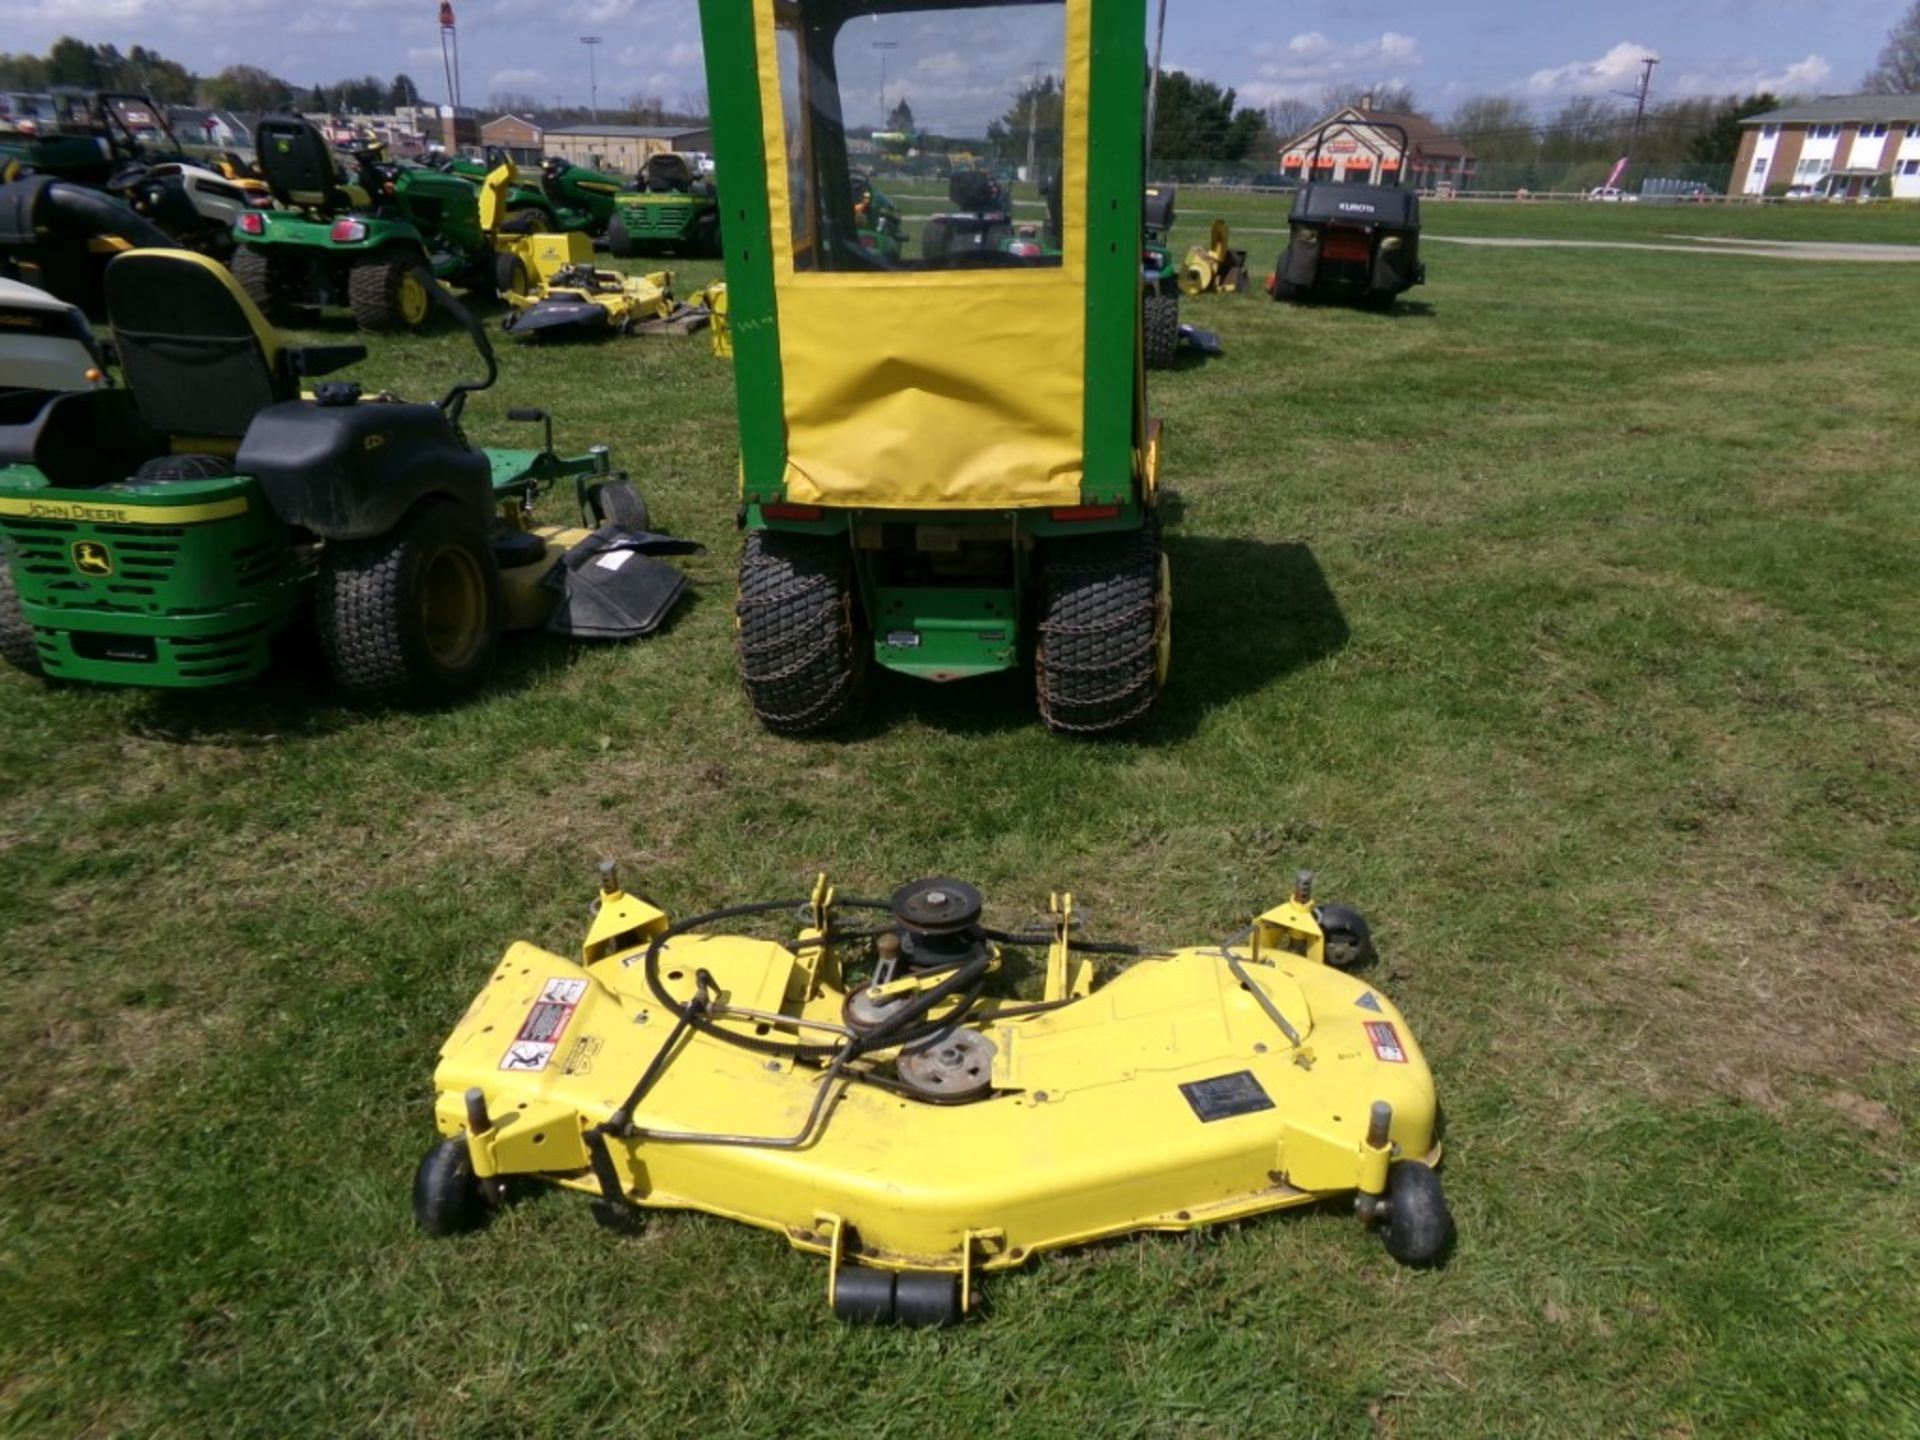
{"x":1103,"y":638}
{"x":17,"y":645}
{"x":802,"y":657}
{"x":413,"y":617}
{"x":1161,"y":340}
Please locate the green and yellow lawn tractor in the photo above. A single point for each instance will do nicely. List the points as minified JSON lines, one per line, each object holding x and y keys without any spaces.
{"x":567,"y":198}
{"x":163,"y":533}
{"x":672,"y":211}
{"x":371,"y":244}
{"x":1159,"y":279}
{"x":978,"y":493}
{"x":876,"y":1090}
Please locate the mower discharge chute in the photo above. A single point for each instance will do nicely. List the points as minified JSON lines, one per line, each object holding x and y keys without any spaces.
{"x":162,"y":534}
{"x":870,"y":1090}
{"x":1351,"y":241}
{"x":977,"y":493}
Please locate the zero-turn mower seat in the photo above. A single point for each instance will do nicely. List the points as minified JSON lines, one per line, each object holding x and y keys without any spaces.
{"x":198,"y":356}
{"x":298,"y":164}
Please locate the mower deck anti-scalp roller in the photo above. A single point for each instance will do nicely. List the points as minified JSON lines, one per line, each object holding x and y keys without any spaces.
{"x":872,"y":1088}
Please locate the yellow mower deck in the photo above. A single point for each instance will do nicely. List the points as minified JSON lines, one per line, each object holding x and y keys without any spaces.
{"x":1197,"y":1086}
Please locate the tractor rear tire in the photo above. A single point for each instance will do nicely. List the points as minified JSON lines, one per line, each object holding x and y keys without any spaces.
{"x":1161,"y":340}
{"x":17,"y":646}
{"x":802,"y":658}
{"x":619,"y":243}
{"x":271,"y":282}
{"x":447,"y":1199}
{"x":380,"y":294}
{"x":1102,"y":642}
{"x":413,"y":617}
{"x":1418,"y":1226}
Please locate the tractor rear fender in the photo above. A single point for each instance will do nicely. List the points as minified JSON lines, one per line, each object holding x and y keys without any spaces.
{"x":350,"y":472}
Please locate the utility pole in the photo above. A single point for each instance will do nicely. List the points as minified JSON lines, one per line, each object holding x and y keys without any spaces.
{"x":593,"y":77}
{"x":1639,"y":97}
{"x":883,"y":46}
{"x":1153,"y":86}
{"x":1033,"y":116}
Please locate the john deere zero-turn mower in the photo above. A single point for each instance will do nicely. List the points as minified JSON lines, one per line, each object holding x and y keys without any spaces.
{"x":671,"y":211}
{"x":161,"y":534}
{"x":977,"y":493}
{"x":870,"y":1090}
{"x":1351,"y":241}
{"x":372,"y":243}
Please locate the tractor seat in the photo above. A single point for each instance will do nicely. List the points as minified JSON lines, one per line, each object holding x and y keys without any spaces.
{"x":298,"y":164}
{"x":667,"y":174}
{"x":199,"y":358}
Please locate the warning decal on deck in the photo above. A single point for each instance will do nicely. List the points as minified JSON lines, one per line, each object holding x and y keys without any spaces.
{"x":546,"y":1022}
{"x":1386,"y":1041}
{"x":1226,"y":1095}
{"x":1369,"y":1001}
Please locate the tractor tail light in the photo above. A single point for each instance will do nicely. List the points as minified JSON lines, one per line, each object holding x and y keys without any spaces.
{"x":347,"y":232}
{"x":253,"y":223}
{"x":791,"y":512}
{"x":1344,"y":244}
{"x":1086,"y":512}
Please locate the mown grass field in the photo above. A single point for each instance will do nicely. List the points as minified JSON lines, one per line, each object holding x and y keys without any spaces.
{"x":1565,"y":620}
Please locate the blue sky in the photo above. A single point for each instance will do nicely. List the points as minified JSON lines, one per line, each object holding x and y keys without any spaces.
{"x":1544,"y":53}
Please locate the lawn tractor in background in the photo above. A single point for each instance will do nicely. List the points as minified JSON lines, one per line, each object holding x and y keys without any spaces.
{"x":1159,"y":279}
{"x":124,"y":145}
{"x":977,"y":494}
{"x":59,"y":235}
{"x":372,"y":244}
{"x":162,"y":534}
{"x":876,"y":1090}
{"x":1351,"y":241}
{"x":878,"y":218}
{"x":673,"y":211}
{"x":981,"y":219}
{"x":46,"y":349}
{"x":567,"y":198}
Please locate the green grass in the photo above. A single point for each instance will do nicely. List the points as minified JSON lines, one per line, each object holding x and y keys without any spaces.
{"x":1564,"y":620}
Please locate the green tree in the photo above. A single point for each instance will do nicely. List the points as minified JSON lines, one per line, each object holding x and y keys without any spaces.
{"x":1498,"y":129}
{"x":1196,"y":120}
{"x":249,"y":89}
{"x":900,"y":117}
{"x":22,"y":72}
{"x":165,"y":80}
{"x":402,"y":92}
{"x":1898,"y":72}
{"x":74,"y":62}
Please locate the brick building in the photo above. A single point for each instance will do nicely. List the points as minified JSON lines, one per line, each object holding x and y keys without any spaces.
{"x":519,"y":136}
{"x":624,"y":148}
{"x":1840,"y":146}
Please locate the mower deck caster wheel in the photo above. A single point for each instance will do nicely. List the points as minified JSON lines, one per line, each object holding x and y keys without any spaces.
{"x":447,"y":1198}
{"x":1415,"y":1225}
{"x":618,"y":503}
{"x":880,"y":1297}
{"x":1349,"y":937}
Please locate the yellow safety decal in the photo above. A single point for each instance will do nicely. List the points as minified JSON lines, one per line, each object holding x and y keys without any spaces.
{"x":116,"y":514}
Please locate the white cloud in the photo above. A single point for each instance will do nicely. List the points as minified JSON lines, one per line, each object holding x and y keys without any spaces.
{"x":1310,"y":61}
{"x":1618,"y":69}
{"x":1750,"y":76}
{"x":519,"y":79}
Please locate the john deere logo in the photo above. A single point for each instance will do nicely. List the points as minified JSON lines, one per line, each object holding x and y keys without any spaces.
{"x":90,"y":557}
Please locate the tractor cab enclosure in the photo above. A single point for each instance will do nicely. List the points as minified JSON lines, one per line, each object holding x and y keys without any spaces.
{"x":930,"y":428}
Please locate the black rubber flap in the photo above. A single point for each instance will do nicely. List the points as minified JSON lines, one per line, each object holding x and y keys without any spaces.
{"x":611,"y":589}
{"x":555,"y":316}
